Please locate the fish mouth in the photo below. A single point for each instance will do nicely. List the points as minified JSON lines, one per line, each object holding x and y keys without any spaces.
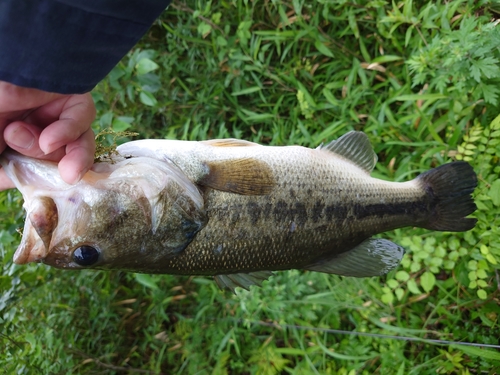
{"x":37,"y":234}
{"x":35,"y":255}
{"x":31,"y":248}
{"x":31,"y":176}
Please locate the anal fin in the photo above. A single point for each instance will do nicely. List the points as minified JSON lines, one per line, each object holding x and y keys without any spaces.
{"x":372,"y":257}
{"x":243,"y":280}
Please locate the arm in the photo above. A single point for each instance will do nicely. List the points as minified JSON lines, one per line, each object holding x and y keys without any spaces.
{"x":52,"y":51}
{"x":68,"y":46}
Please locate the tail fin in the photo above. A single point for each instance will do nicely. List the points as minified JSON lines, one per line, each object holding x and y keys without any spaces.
{"x":451,"y":186}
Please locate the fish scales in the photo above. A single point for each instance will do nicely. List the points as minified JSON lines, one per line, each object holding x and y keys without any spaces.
{"x":233,"y":209}
{"x":312,"y":210}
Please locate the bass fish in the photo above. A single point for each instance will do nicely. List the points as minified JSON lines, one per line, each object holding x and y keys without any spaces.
{"x":233,"y":209}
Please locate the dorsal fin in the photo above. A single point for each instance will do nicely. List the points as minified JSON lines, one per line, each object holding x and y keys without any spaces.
{"x":356,"y":147}
{"x":245,"y":176}
{"x":229,"y":142}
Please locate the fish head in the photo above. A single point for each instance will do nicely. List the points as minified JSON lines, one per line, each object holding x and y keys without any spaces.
{"x":131,"y":214}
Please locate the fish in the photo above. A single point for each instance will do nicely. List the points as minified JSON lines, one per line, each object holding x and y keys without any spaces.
{"x":233,"y":209}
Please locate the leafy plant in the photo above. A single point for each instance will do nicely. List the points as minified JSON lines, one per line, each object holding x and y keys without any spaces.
{"x":477,"y":252}
{"x":419,"y":78}
{"x":461,"y":63}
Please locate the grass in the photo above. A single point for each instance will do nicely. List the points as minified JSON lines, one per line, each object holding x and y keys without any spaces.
{"x":418,"y":78}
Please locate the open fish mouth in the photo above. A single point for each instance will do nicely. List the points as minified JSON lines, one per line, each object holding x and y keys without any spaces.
{"x":40,"y":224}
{"x":31,"y":248}
{"x":34,"y":179}
{"x":27,"y":253}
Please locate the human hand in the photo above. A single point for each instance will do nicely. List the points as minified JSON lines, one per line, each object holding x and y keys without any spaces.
{"x":47,"y":126}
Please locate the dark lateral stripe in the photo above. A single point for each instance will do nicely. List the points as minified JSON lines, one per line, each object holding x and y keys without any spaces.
{"x":283,"y":211}
{"x":392,"y":209}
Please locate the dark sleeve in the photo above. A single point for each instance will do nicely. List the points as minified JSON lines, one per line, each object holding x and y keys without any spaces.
{"x":68,"y":46}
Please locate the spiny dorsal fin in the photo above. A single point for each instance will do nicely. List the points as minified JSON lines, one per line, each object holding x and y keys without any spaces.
{"x":372,"y":257}
{"x":243,"y":280}
{"x":229,"y":142}
{"x":356,"y":147}
{"x":241,"y":176}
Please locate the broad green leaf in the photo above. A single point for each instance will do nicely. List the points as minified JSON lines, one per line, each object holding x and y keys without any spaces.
{"x":204,"y":29}
{"x":494,"y":192}
{"x":387,"y":298}
{"x":120,"y":125}
{"x":481,"y":274}
{"x":399,"y":293}
{"x":427,"y":281}
{"x":481,"y":293}
{"x":484,"y":249}
{"x":490,"y":93}
{"x":148,"y":99}
{"x":146,"y":65}
{"x":491,"y":259}
{"x":221,"y":42}
{"x":495,"y":124}
{"x":106,"y":120}
{"x":402,"y":276}
{"x":30,"y":338}
{"x":412,"y":287}
{"x":391,"y":283}
{"x":146,"y":280}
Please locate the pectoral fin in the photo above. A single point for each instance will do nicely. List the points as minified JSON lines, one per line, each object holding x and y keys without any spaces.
{"x":245,"y":176}
{"x":243,"y":280}
{"x":372,"y":257}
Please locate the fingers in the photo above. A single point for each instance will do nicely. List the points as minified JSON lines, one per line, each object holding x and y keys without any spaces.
{"x":51,"y":126}
{"x":16,"y":101}
{"x":78,"y":159}
{"x":47,"y":126}
{"x":23,"y":138}
{"x":59,"y":131}
{"x":75,"y":159}
{"x":69,"y":120}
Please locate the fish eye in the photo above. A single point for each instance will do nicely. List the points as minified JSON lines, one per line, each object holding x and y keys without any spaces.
{"x":85,"y":255}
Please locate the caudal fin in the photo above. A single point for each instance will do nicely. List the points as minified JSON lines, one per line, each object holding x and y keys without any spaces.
{"x":451,"y":186}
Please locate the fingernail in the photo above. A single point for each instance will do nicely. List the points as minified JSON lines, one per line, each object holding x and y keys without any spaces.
{"x":78,"y":177}
{"x":22,"y":139}
{"x":47,"y":149}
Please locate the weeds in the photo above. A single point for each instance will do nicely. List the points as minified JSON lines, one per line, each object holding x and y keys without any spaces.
{"x":419,"y":78}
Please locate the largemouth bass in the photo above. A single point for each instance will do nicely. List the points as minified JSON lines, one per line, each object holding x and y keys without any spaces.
{"x":233,"y":209}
